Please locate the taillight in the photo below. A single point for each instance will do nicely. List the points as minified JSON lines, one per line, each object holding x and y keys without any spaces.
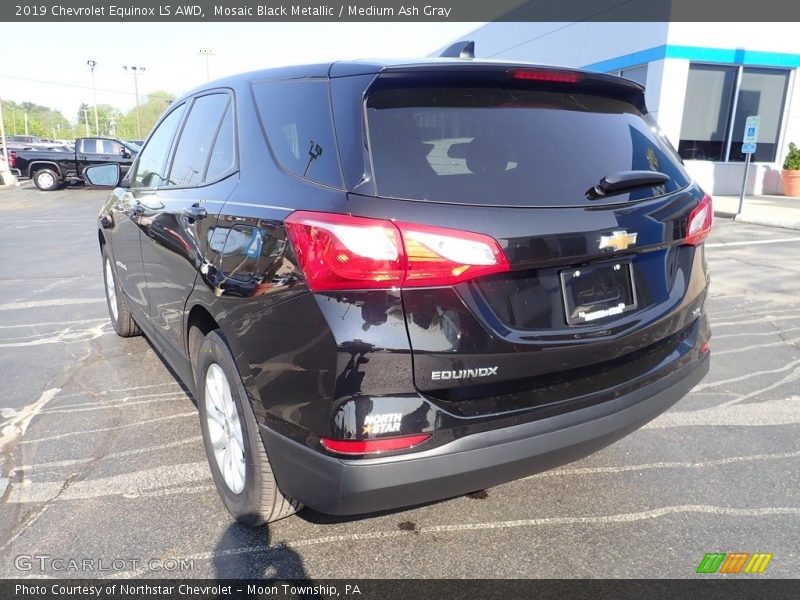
{"x":338,"y":252}
{"x":12,"y":159}
{"x":699,"y":224}
{"x":546,"y":75}
{"x":358,"y":447}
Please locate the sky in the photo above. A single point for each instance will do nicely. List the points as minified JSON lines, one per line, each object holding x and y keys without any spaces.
{"x":54,"y":72}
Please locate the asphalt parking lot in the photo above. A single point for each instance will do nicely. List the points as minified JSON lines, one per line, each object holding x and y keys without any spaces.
{"x":102,"y":455}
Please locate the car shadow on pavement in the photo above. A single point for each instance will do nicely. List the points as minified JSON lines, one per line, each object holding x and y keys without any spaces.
{"x":248,"y":553}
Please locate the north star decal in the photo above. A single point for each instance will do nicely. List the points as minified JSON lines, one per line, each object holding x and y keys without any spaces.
{"x":464,"y":373}
{"x":385,"y":423}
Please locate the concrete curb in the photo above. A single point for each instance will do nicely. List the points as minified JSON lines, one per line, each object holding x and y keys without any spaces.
{"x":767,"y":221}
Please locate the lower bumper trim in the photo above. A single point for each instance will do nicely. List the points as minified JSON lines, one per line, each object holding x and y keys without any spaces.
{"x":478,"y":461}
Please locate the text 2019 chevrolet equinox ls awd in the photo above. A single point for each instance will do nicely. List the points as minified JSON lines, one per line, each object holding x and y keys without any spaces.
{"x":387,"y":283}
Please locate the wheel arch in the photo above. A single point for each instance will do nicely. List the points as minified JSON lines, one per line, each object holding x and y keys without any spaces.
{"x":199,"y":318}
{"x":42,"y":164}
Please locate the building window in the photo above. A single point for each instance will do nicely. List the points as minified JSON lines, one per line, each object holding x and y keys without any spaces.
{"x":637,"y":74}
{"x":719,"y":99}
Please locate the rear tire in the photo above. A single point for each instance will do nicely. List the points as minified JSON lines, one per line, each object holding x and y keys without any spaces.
{"x":236,"y":454}
{"x":46,"y":180}
{"x":118,"y":312}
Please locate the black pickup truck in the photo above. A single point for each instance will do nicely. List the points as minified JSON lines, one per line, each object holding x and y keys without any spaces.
{"x":50,"y":169}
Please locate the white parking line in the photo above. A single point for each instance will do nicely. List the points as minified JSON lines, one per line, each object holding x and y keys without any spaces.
{"x":784,"y":411}
{"x":713,"y":384}
{"x":78,"y":322}
{"x":757,"y":334}
{"x":121,"y":454}
{"x":758,"y":346}
{"x":752,"y":242}
{"x":125,"y":389}
{"x":53,"y":302}
{"x":747,"y":320}
{"x":20,"y":419}
{"x":791,"y":377}
{"x":115,"y":402}
{"x":667,"y":465}
{"x":116,"y":427}
{"x":612,"y":519}
{"x":129,"y":485}
{"x":63,"y":336}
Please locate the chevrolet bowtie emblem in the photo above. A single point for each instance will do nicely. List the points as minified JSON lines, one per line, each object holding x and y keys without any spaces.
{"x":618,"y":240}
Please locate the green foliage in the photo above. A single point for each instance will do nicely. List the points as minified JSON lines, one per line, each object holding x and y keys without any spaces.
{"x":150,"y":110}
{"x":49,"y":123}
{"x":792,"y":162}
{"x":42,"y":121}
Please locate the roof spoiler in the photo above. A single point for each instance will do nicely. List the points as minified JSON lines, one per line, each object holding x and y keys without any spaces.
{"x":462,"y":49}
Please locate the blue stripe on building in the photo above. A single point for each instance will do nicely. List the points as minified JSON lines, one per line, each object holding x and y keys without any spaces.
{"x":735,"y":56}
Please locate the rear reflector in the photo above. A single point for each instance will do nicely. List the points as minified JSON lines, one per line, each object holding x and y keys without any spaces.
{"x":546,"y":75}
{"x":705,"y":347}
{"x":358,"y":447}
{"x":700,"y":221}
{"x":338,"y":252}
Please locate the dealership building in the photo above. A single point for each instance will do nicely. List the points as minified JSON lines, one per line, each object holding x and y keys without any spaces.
{"x":702,"y":81}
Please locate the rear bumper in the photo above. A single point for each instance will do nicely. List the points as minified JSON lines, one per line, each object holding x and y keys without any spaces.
{"x":474,"y":462}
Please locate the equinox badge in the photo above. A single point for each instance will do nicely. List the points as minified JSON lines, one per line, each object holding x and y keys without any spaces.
{"x":618,"y":240}
{"x":464,"y":373}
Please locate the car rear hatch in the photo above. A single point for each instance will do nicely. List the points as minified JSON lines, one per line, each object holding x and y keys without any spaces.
{"x":602,"y":284}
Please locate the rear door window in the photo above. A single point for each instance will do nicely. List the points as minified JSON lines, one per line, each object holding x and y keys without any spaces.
{"x":223,"y":153}
{"x":510,"y":147}
{"x":196,"y":139}
{"x":152,"y":163}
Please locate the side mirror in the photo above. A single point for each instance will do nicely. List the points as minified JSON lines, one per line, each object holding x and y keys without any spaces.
{"x":125,"y":153}
{"x":103,"y":175}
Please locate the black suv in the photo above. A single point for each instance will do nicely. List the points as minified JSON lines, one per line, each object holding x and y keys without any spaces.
{"x":387,"y":283}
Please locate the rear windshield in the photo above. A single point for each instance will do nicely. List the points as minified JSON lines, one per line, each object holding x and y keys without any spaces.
{"x":510,"y":147}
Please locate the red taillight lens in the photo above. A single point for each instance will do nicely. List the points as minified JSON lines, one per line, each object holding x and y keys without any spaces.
{"x":12,"y":159}
{"x":338,"y":252}
{"x":354,"y":447}
{"x":439,"y":256}
{"x":546,"y":75}
{"x":699,"y":224}
{"x":341,"y":252}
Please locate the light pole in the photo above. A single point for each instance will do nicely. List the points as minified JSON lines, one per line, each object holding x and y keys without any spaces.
{"x":207,"y":52}
{"x":136,"y":71}
{"x":3,"y":138}
{"x":92,"y":64}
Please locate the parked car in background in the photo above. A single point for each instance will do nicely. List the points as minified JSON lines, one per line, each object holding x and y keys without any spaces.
{"x":387,"y":283}
{"x":24,"y":139}
{"x":51,"y":168}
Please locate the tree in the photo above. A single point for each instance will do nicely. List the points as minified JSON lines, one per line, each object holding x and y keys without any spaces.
{"x":42,"y":121}
{"x":150,"y":110}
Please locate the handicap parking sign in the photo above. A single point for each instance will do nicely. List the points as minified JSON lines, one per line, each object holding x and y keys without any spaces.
{"x":750,"y":130}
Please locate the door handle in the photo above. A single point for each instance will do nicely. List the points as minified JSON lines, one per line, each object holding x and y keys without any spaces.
{"x":195,"y":212}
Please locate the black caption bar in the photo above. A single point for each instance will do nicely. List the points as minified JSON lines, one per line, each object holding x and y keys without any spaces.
{"x":414,"y":10}
{"x":402,"y":589}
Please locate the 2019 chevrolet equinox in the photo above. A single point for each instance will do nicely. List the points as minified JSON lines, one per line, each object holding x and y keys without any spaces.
{"x":387,"y":283}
